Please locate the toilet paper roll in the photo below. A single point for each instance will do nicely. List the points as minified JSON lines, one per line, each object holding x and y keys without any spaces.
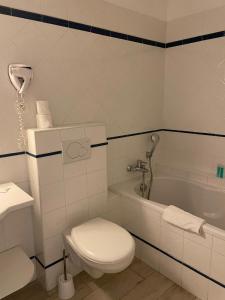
{"x":44,"y":121}
{"x":43,"y":107}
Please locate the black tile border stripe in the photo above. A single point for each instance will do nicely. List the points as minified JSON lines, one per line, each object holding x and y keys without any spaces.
{"x":193,"y":132}
{"x":5,"y":155}
{"x":12,"y":154}
{"x":132,"y":134}
{"x":44,"y":154}
{"x":99,"y":145}
{"x":4,"y":10}
{"x":195,"y":39}
{"x":60,"y":152}
{"x":166,"y":130}
{"x":178,"y":261}
{"x":152,"y":246}
{"x":49,"y":265}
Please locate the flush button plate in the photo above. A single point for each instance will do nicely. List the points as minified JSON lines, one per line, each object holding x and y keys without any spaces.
{"x":75,"y":150}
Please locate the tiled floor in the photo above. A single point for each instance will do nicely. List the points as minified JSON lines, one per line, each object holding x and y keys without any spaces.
{"x":137,"y":282}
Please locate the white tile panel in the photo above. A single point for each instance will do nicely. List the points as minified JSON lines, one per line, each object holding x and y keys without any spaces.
{"x":170,"y":268}
{"x":52,"y":196}
{"x":197,"y":256}
{"x":75,"y":189}
{"x":54,"y":222}
{"x":194,"y":283}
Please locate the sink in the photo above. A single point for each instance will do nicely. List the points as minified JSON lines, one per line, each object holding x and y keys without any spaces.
{"x":16,"y":269}
{"x":12,"y":198}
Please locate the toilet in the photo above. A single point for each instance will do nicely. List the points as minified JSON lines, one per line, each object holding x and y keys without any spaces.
{"x":101,"y":246}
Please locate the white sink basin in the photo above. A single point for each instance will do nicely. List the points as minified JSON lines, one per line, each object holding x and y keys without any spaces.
{"x":12,"y":198}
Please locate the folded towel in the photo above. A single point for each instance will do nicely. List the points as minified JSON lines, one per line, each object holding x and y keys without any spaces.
{"x":182,"y":219}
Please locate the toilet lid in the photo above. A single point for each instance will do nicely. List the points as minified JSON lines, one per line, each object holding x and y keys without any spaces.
{"x":102,"y":241}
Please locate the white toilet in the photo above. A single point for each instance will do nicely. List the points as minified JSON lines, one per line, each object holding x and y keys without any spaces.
{"x":102,"y":246}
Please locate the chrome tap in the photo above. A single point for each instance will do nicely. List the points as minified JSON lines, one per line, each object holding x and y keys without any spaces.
{"x":139,"y":167}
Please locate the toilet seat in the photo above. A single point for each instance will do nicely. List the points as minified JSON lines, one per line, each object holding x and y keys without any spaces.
{"x":103,"y":242}
{"x":102,"y":246}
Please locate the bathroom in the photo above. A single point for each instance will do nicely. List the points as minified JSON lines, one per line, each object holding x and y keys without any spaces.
{"x":112,"y":149}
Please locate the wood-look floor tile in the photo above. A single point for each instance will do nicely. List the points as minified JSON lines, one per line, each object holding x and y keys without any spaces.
{"x":92,"y":283}
{"x":33,"y":291}
{"x":141,"y":268}
{"x":117,"y":287}
{"x":177,"y":293}
{"x":150,"y":288}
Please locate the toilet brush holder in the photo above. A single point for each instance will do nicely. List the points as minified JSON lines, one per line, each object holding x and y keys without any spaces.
{"x":66,"y":288}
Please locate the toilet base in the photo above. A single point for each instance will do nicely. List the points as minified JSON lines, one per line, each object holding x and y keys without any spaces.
{"x":94,"y":273}
{"x":78,"y":262}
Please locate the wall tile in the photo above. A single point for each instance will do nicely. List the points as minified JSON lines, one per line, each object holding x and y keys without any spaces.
{"x":194,"y":283}
{"x":217,"y":269}
{"x":43,"y":141}
{"x":72,"y":133}
{"x":55,"y":8}
{"x":197,"y":256}
{"x":51,"y":276}
{"x":149,"y":255}
{"x":97,"y":205}
{"x":13,"y":169}
{"x":54,"y":222}
{"x":77,"y":213}
{"x":204,"y":240}
{"x":149,"y":225}
{"x":171,"y":242}
{"x":96,"y":134}
{"x":96,"y":182}
{"x":75,"y":189}
{"x":50,"y":169}
{"x":131,"y":215}
{"x":170,"y":268}
{"x":74,"y":169}
{"x":216,"y":292}
{"x":52,"y":196}
{"x":97,"y":160}
{"x":53,"y":249}
{"x":219,"y":245}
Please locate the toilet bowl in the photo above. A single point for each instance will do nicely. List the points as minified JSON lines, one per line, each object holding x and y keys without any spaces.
{"x":101,"y":246}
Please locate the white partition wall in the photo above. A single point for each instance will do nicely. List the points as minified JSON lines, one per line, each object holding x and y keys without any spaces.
{"x":66,"y":194}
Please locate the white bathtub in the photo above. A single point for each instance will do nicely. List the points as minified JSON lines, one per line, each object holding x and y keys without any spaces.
{"x":182,"y":256}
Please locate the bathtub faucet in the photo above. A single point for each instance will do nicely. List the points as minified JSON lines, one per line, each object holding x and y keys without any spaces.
{"x":139,"y":167}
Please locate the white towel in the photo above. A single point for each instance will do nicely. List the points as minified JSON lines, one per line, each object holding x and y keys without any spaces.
{"x":182,"y":219}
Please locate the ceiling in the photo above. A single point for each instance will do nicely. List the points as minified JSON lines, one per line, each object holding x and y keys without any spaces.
{"x":153,"y":8}
{"x":168,"y":9}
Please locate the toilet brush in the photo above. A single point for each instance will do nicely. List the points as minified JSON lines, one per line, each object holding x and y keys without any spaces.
{"x":65,"y":283}
{"x":64,"y":265}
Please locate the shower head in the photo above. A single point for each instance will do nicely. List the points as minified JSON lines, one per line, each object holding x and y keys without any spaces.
{"x":154,"y":142}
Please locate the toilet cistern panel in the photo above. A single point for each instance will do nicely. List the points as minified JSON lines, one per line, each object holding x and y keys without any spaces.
{"x":74,"y":150}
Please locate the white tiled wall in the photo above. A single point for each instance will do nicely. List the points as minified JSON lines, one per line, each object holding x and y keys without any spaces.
{"x":67,"y":194}
{"x":194,"y":87}
{"x":105,"y":77}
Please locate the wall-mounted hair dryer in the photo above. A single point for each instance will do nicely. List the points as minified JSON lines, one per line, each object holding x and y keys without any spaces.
{"x":20,"y":76}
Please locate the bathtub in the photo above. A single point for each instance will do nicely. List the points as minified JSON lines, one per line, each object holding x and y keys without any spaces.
{"x":195,"y":262}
